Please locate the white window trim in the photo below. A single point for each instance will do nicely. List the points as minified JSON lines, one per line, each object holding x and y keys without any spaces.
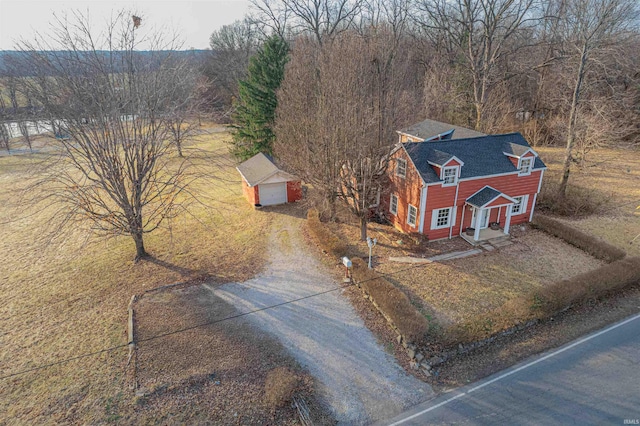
{"x":391,"y":209}
{"x":434,"y":218}
{"x":398,"y":161}
{"x":531,"y":164}
{"x":523,"y":204}
{"x":415,"y":216}
{"x":456,"y":170}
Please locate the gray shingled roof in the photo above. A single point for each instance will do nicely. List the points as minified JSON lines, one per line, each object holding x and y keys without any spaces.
{"x":482,"y":197}
{"x":257,"y":168}
{"x":439,"y":157}
{"x":482,"y":156}
{"x":515,"y":149}
{"x":430,"y":128}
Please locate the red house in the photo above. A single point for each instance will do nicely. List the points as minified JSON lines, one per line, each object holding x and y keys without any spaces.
{"x":264,"y":184}
{"x":476,"y":186}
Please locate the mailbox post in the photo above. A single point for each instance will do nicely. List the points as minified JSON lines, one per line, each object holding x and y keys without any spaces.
{"x":347,"y":265}
{"x":371,"y":243}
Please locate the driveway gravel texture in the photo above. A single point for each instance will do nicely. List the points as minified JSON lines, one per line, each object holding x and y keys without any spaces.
{"x":357,"y":378}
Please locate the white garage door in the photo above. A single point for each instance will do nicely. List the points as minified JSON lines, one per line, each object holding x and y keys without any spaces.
{"x":273,"y":193}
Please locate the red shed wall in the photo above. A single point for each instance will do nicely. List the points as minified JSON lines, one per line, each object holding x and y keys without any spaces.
{"x":250,"y":193}
{"x":294,"y":191}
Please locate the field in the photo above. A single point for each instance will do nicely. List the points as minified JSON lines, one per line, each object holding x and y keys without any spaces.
{"x":68,"y":298}
{"x":610,"y":180}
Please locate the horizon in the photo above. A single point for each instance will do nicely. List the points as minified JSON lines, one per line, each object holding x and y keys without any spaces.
{"x":193,"y":21}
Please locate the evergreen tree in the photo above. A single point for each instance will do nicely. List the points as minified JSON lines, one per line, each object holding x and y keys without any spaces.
{"x":256,"y":105}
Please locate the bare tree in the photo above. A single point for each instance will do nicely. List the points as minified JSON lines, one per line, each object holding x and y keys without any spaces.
{"x":231,"y":47}
{"x":338,"y":114}
{"x":479,"y":30}
{"x":113,"y":101}
{"x":320,"y":18}
{"x":590,"y":25}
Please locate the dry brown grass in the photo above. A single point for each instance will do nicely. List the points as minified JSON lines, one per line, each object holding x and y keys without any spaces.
{"x":595,"y":246}
{"x":213,"y":374}
{"x":63,"y":300}
{"x":280,"y":386}
{"x":458,"y":290}
{"x":612,"y":178}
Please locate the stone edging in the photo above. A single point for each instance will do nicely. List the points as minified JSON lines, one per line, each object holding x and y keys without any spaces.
{"x":425,"y":363}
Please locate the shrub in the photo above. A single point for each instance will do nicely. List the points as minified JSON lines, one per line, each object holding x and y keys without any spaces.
{"x":548,"y":301}
{"x":280,"y":386}
{"x":392,"y":302}
{"x":327,"y":240}
{"x":603,"y":281}
{"x":577,"y":201}
{"x":595,"y":246}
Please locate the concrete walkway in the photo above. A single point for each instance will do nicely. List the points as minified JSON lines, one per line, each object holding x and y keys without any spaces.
{"x":357,"y":378}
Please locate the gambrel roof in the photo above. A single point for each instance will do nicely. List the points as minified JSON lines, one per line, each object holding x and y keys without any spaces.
{"x":482,"y":156}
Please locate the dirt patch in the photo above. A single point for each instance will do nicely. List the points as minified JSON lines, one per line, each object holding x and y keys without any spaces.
{"x":210,"y":374}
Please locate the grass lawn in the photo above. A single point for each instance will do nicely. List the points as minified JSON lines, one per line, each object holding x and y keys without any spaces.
{"x":611,"y":178}
{"x":66,"y":299}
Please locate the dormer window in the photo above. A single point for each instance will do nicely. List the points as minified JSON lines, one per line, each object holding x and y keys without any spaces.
{"x":526,"y":164}
{"x":401,"y":167}
{"x":450,"y":175}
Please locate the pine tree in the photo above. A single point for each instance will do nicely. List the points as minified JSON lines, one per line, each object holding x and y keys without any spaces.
{"x":256,"y":105}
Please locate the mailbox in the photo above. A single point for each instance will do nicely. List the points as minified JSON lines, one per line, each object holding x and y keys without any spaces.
{"x":346,"y":262}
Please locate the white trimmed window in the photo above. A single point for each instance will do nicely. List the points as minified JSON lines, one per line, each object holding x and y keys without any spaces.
{"x":526,"y":164}
{"x":450,"y":175}
{"x":412,"y":215}
{"x":401,"y":167}
{"x":441,"y":218}
{"x":393,"y":204}
{"x":520,"y":206}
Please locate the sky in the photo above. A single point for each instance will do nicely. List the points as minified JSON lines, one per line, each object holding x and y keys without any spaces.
{"x":193,"y":20}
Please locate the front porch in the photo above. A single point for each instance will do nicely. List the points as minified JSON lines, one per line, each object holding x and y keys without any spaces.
{"x":484,"y":236}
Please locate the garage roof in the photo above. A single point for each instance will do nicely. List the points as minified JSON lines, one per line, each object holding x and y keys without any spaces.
{"x":259,"y":168}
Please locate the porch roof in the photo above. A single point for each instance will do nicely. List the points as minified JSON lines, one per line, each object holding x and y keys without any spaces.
{"x":486,"y":196}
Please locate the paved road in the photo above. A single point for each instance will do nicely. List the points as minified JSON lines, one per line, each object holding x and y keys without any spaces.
{"x":357,"y":378}
{"x":594,"y":380}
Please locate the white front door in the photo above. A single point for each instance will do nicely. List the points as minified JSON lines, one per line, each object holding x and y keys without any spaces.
{"x":272,"y":193}
{"x":484,"y":219}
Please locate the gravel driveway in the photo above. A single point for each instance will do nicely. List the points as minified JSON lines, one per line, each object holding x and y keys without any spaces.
{"x":359,"y":380}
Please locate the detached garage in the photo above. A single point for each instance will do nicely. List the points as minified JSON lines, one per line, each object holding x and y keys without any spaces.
{"x":264,"y":184}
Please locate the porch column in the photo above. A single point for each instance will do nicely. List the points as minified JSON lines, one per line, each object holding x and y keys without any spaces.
{"x":507,"y":221}
{"x":476,"y":233}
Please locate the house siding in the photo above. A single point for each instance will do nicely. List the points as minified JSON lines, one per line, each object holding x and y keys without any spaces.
{"x":406,"y":189}
{"x":511,"y":185}
{"x":438,"y":196}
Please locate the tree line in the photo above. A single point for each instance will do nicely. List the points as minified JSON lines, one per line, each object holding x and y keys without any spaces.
{"x":561,"y":72}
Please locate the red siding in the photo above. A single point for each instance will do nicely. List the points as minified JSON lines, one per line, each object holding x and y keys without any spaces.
{"x":499,"y":201}
{"x":406,"y":189}
{"x":512,"y":185}
{"x":294,"y":191}
{"x":250,"y":193}
{"x":451,"y":163}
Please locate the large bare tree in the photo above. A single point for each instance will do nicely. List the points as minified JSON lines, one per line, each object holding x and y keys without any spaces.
{"x":113,"y":95}
{"x":321,"y":19}
{"x":338,"y":111}
{"x":590,"y":25}
{"x":483,"y":32}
